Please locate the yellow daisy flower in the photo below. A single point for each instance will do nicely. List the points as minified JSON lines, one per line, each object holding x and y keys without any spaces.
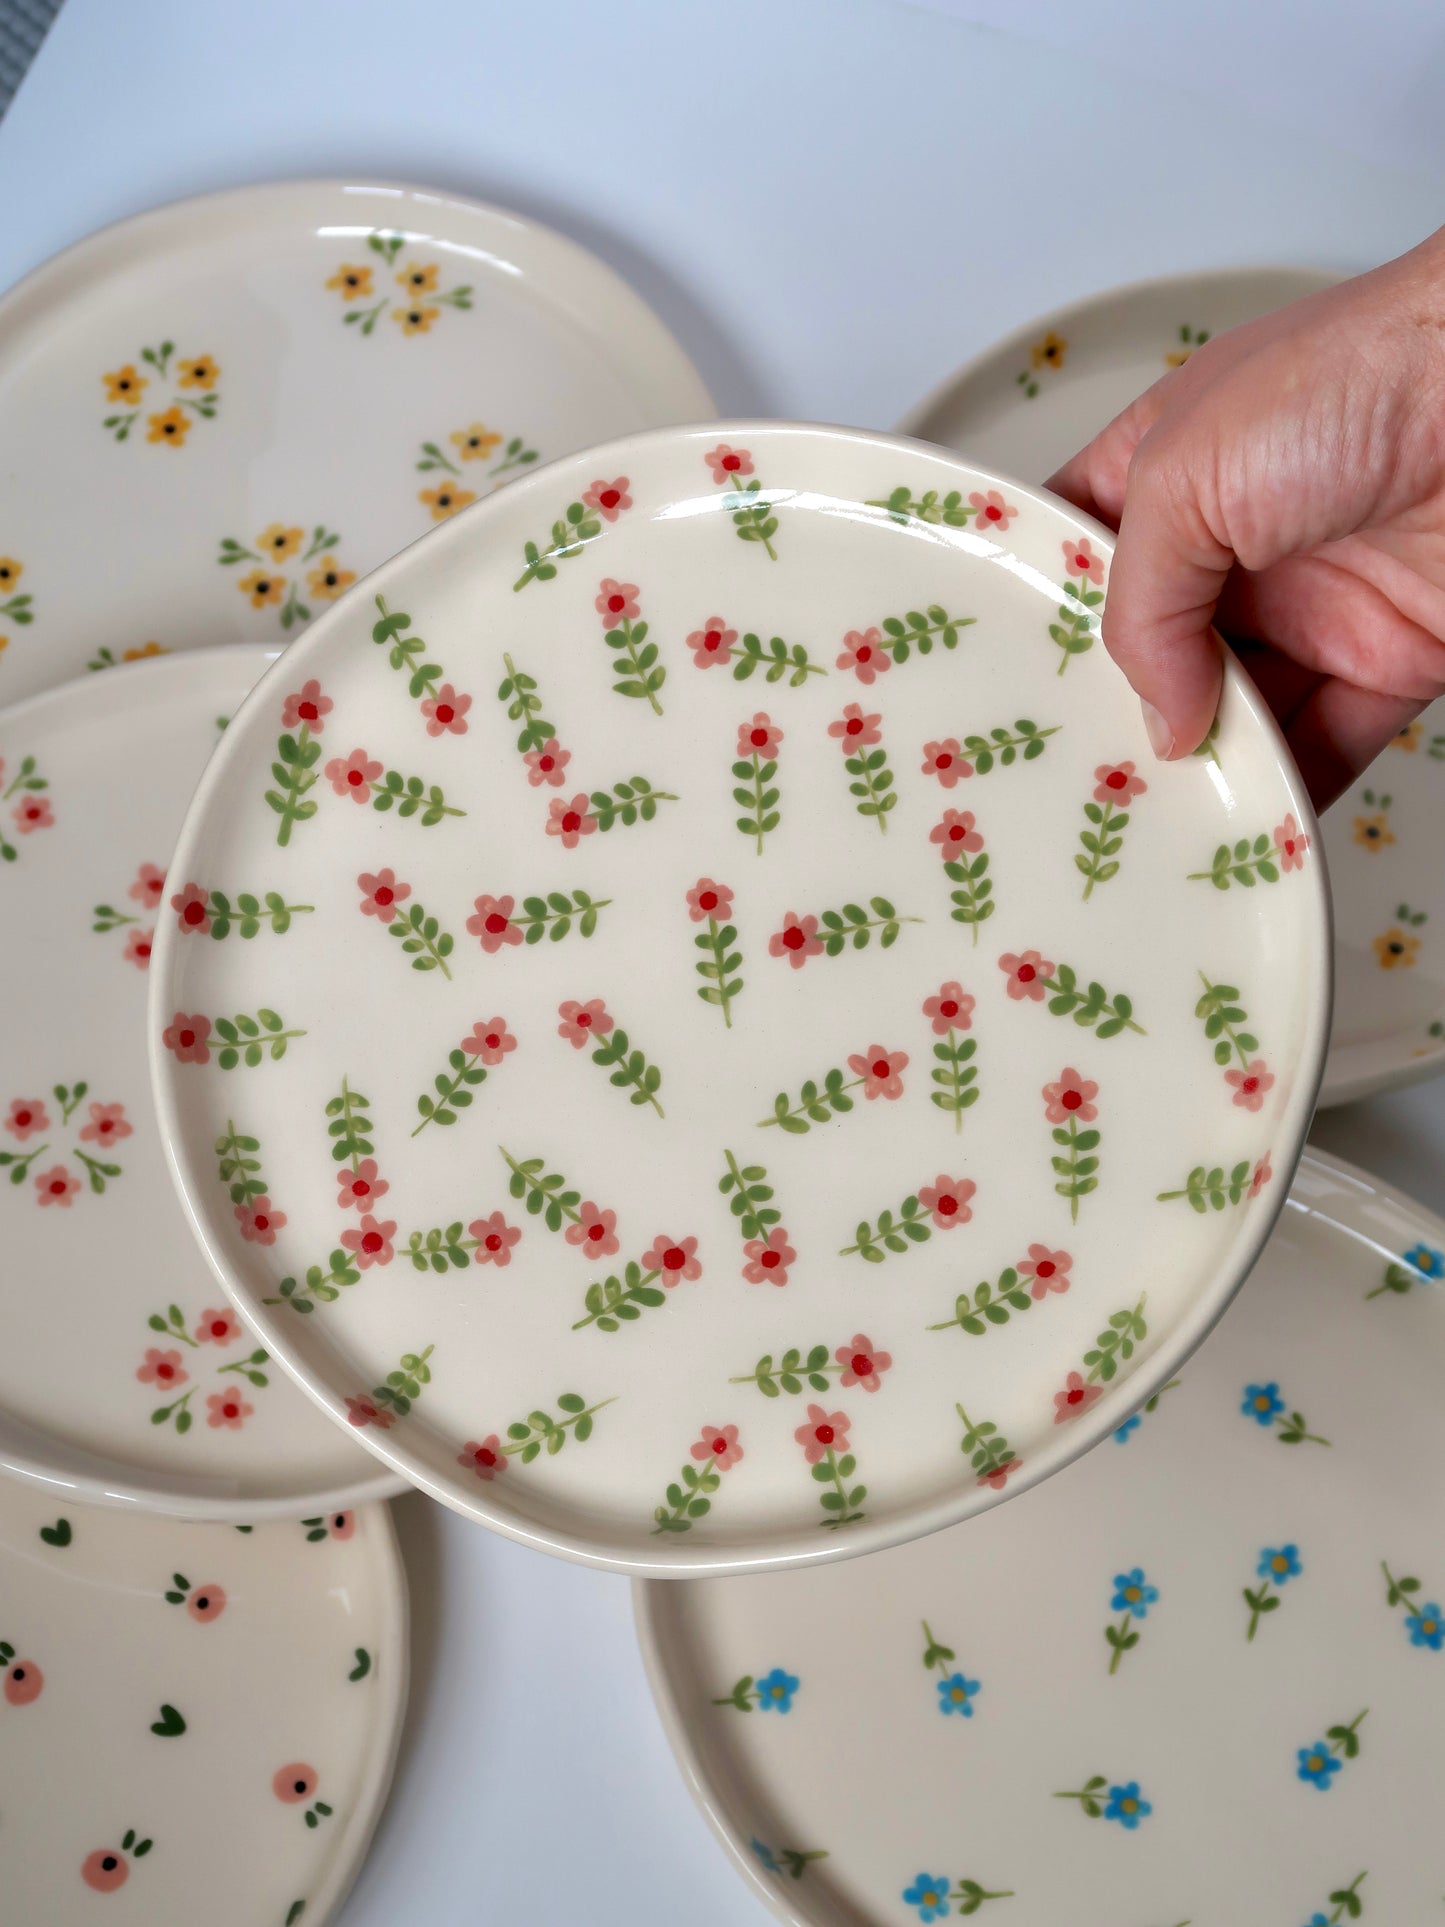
{"x":476,"y":443}
{"x":124,"y":384}
{"x":10,"y":572}
{"x":173,"y":426}
{"x":262,"y":588}
{"x":1373,"y":832}
{"x":200,"y":373}
{"x":349,"y":280}
{"x":145,"y":650}
{"x":1396,"y":949}
{"x":278,"y":541}
{"x":1050,"y":352}
{"x":330,"y":580}
{"x":415,"y":321}
{"x":419,"y":280}
{"x":445,"y":499}
{"x":1408,"y":738}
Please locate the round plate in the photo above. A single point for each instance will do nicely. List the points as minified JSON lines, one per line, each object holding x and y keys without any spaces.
{"x":1199,"y":1678}
{"x":719,"y":1115}
{"x":288,"y":383}
{"x":165,"y":1687}
{"x":125,"y":1376}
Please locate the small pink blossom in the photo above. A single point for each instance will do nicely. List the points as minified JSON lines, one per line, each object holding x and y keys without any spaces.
{"x":570,"y":820}
{"x":1075,"y":1398}
{"x":945,"y":761}
{"x":490,"y":1041}
{"x":951,"y":1009}
{"x":727,"y":464}
{"x":822,"y":1432}
{"x":1117,"y":783}
{"x":259,"y":1221}
{"x":227,"y":1410}
{"x":617,"y":602}
{"x":360,"y":1188}
{"x":991,"y":512}
{"x":446,"y":712}
{"x":881,"y":1071}
{"x":1293,"y":844}
{"x":864,"y":654}
{"x":1028,"y":974}
{"x":595,"y":1231}
{"x":1045,"y":1271}
{"x":341,"y":1525}
{"x":370,"y":1242}
{"x":33,"y":813}
{"x":217,"y":1326}
{"x":582,"y":1022}
{"x":55,"y":1186}
{"x":954,"y":833}
{"x":1080,"y":559}
{"x":493,"y":925}
{"x":1251,"y":1084}
{"x":1000,"y":1475}
{"x":1071,"y":1096}
{"x":797,"y":940}
{"x":353,"y":775}
{"x":674,"y":1258}
{"x":308,"y":706}
{"x":1263,"y":1172}
{"x":149,"y":886}
{"x":162,"y":1368}
{"x":719,"y":1445}
{"x":759,"y":738}
{"x":107,"y":1125}
{"x":294,"y":1783}
{"x":948,"y":1199}
{"x":768,"y":1258}
{"x":28,"y":1116}
{"x":608,"y":499}
{"x":862,"y":1364}
{"x":495,"y":1238}
{"x":708,"y":899}
{"x":191,"y":908}
{"x":547,"y":764}
{"x":485,"y":1457}
{"x":186,"y":1036}
{"x":381,"y":895}
{"x":856,"y":729}
{"x":365,"y":1411}
{"x":712,"y":643}
{"x":138,"y":946}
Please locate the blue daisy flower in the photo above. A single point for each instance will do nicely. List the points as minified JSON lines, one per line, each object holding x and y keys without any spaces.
{"x":1279,"y":1563}
{"x":1123,"y":1433}
{"x":1127,"y":1806}
{"x":929,"y":1894}
{"x":1262,"y":1403}
{"x":1427,"y":1627}
{"x":1133,"y":1593}
{"x":1427,"y":1261}
{"x":775,"y":1691}
{"x":955,"y":1695}
{"x":766,"y":1855}
{"x":1318,"y":1765}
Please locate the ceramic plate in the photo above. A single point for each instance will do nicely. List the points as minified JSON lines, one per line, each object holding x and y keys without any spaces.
{"x":125,"y":1375}
{"x":237,"y":404}
{"x":196,"y":1722}
{"x":695,"y":832}
{"x":1200,"y":1677}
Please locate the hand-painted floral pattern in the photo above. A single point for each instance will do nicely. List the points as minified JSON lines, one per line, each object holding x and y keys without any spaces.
{"x":1099,"y":1800}
{"x":57,"y":1186}
{"x":1260,"y":859}
{"x":712,"y":904}
{"x":499,"y":457}
{"x":715,"y":643}
{"x":577,"y":525}
{"x":956,"y":1693}
{"x":243,"y":1039}
{"x":830,"y":932}
{"x":419,"y":299}
{"x":1212,"y":1187}
{"x":1264,"y":1404}
{"x":32,"y":812}
{"x":163,"y":1367}
{"x":584,"y":1024}
{"x":756,"y":770}
{"x":183,"y":393}
{"x":767,"y":1253}
{"x":395,"y":1397}
{"x":366,"y":780}
{"x":443,"y":708}
{"x":771,"y":1692}
{"x":950,"y":1012}
{"x":870,"y":652}
{"x":24,"y":1682}
{"x":14,"y":606}
{"x":108,"y":1868}
{"x":481,"y":1050}
{"x":951,"y":761}
{"x":1115,"y":1344}
{"x":1077,"y":624}
{"x":750,"y":507}
{"x":866,"y":762}
{"x":1424,"y":1622}
{"x":689,"y":1498}
{"x":987,"y":1450}
{"x":277,"y":552}
{"x":931,"y":1894}
{"x":1319,"y":1763}
{"x":1276,"y":1567}
{"x":940,"y":1206}
{"x":1068,"y":1103}
{"x":643,"y":1285}
{"x":823,"y":1436}
{"x":1115,"y":788}
{"x":625,"y":633}
{"x":1090,"y":1006}
{"x":1044,"y":1272}
{"x":204,"y":912}
{"x":856,"y":1362}
{"x":1132,"y":1597}
{"x":527,"y":1438}
{"x":877,"y":1070}
{"x":1420,"y":1261}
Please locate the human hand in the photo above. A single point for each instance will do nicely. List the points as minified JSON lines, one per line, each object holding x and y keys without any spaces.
{"x":1287,"y":484}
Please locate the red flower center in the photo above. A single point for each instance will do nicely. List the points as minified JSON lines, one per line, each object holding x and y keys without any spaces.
{"x":188,"y":1037}
{"x":547,"y":762}
{"x":485,"y":1455}
{"x":674,"y":1258}
{"x":355,"y":778}
{"x":219,"y":1328}
{"x":167,"y":1372}
{"x":718,"y":1444}
{"x":372,"y":1241}
{"x":261,"y":1221}
{"x":882,"y":1067}
{"x":943,"y":760}
{"x":610,"y":497}
{"x":491,"y":1040}
{"x":1045,"y":1268}
{"x":384,"y":895}
{"x":616,"y":604}
{"x":22,"y":1118}
{"x":946,"y":1205}
{"x":758,"y":738}
{"x":712,"y":640}
{"x":794,"y":939}
{"x":307,"y":711}
{"x":863,"y":653}
{"x":1071,"y":1100}
{"x":1026,"y":973}
{"x":360,"y":1188}
{"x":992,"y":514}
{"x":194,"y":912}
{"x":32,"y":810}
{"x":956,"y":833}
{"x":230,"y":1409}
{"x":1075,"y":1395}
{"x":1288,"y":846}
{"x":444,"y":712}
{"x":769,"y":1259}
{"x":823,"y":1434}
{"x":1250,"y":1085}
{"x":1081,"y":563}
{"x":570,"y":821}
{"x":583,"y":1020}
{"x":861,"y":1365}
{"x":1116,"y":780}
{"x":854,"y":726}
{"x":495,"y":924}
{"x":596,"y":1233}
{"x":142,"y":947}
{"x":947,"y":1007}
{"x":492,"y":1242}
{"x":707,"y":900}
{"x":732,"y":463}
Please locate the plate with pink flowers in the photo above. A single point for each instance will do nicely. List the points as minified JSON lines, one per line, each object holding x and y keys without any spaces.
{"x":770,"y":1066}
{"x":126,"y":1377}
{"x":196,"y":1721}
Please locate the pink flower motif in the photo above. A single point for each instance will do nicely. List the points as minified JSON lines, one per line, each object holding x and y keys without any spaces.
{"x":1250,"y":1085}
{"x":27,"y":1117}
{"x":485,"y":1457}
{"x":617,"y":602}
{"x":190,"y":906}
{"x":719,"y":1443}
{"x":822,"y":1432}
{"x":954,"y":834}
{"x":797,"y":940}
{"x":1292,"y":843}
{"x":1080,"y":560}
{"x":708,"y":899}
{"x":381,"y":895}
{"x":547,"y":764}
{"x":308,"y":706}
{"x":446,"y":712}
{"x":207,"y":1602}
{"x":259,"y":1221}
{"x":360,"y":1188}
{"x":582,"y":1022}
{"x":864,"y":654}
{"x":759,"y":738}
{"x":948,"y":1199}
{"x":951,"y":1009}
{"x":1045,"y":1270}
{"x":24,"y":1683}
{"x":881,"y":1071}
{"x":162,"y":1368}
{"x":727,"y":464}
{"x":608,"y":499}
{"x":353,"y":775}
{"x":107,"y":1125}
{"x":1075,"y":1398}
{"x":992,"y":513}
{"x":855,"y":729}
{"x":1028,"y":974}
{"x":570,"y":820}
{"x":1000,"y":1475}
{"x":1263,"y":1172}
{"x":294,"y":1783}
{"x":149,"y":886}
{"x":33,"y":813}
{"x":495,"y":1238}
{"x":371,"y":1241}
{"x":341,"y":1525}
{"x":56,"y":1186}
{"x":186,"y":1036}
{"x":1071,"y":1096}
{"x":490,"y":1041}
{"x":712,"y":643}
{"x":595,"y":1231}
{"x":138,"y":945}
{"x":365,"y":1411}
{"x":217,"y":1327}
{"x":945,"y":761}
{"x":768,"y":1258}
{"x":493,"y":925}
{"x":227,"y":1411}
{"x":1117,"y":783}
{"x":674,"y":1257}
{"x":862,"y":1365}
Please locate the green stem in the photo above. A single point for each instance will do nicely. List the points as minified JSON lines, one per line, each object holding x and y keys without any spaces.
{"x":447,"y":1089}
{"x":719,"y":951}
{"x":758,"y":798}
{"x":536,"y":730}
{"x":628,"y":1296}
{"x":68,"y":1104}
{"x":530,"y":1183}
{"x":1261,"y":1593}
{"x":629,"y":654}
{"x":367,"y":316}
{"x":22,"y":1161}
{"x":798,"y":1110}
{"x":1121,"y":1629}
{"x":878,"y":798}
{"x":520,"y":1445}
{"x":300,"y":780}
{"x":1113,"y":820}
{"x":1229,"y":1030}
{"x":98,"y":1172}
{"x":1238,"y":863}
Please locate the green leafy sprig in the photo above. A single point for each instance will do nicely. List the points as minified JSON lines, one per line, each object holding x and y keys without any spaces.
{"x":892,"y":1232}
{"x":753,"y":791}
{"x":404,"y":1386}
{"x":540,"y":1432}
{"x":1090,"y":1005}
{"x":571,"y":532}
{"x":26,"y":777}
{"x":422,"y":938}
{"x":985,"y":1448}
{"x":518,"y":691}
{"x":454,"y":1087}
{"x":1247,"y":862}
{"x":240,"y":1166}
{"x":775,"y":658}
{"x":1077,"y":625}
{"x":973,"y":900}
{"x":1025,"y":742}
{"x":544,"y":1193}
{"x":988,"y":1304}
{"x":246,"y":1039}
{"x":627,"y":803}
{"x":749,"y":1197}
{"x":294,"y":772}
{"x":552,"y":916}
{"x":250,"y":914}
{"x":751,"y":510}
{"x":872,"y":784}
{"x":720,"y":967}
{"x":617,"y":1301}
{"x":640,"y":672}
{"x":688,"y":1499}
{"x":406,"y":653}
{"x":1212,"y":1187}
{"x":322,"y":1284}
{"x":955,"y":1074}
{"x":632,"y":1068}
{"x":919,"y":629}
{"x":932,"y":509}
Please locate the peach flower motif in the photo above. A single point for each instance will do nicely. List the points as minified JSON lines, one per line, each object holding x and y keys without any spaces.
{"x":1000,"y":1475}
{"x":495,"y":1239}
{"x":259,"y":1221}
{"x":186,"y":1037}
{"x":56,"y":1186}
{"x":149,"y":886}
{"x":948,"y":1199}
{"x":712,"y":643}
{"x":951,"y":1009}
{"x":862,"y":1364}
{"x":821,"y":1432}
{"x":570,"y":820}
{"x":162,"y":1368}
{"x":490,"y":1041}
{"x":24,"y":1683}
{"x":446,"y":712}
{"x":768,"y":1259}
{"x":991,"y":512}
{"x":493,"y":925}
{"x":1251,"y":1084}
{"x":362,"y":1411}
{"x":727,"y":464}
{"x":1117,"y":783}
{"x":608,"y":499}
{"x":582,"y":1022}
{"x":617,"y":601}
{"x":759,"y":738}
{"x":138,"y":946}
{"x":294,"y":1783}
{"x":360,"y":1188}
{"x":946,"y":761}
{"x":856,"y":728}
{"x":105,"y":1870}
{"x":107,"y":1125}
{"x":881,"y":1070}
{"x":595,"y":1231}
{"x":1075,"y":1398}
{"x":28,"y":1115}
{"x":797,"y":940}
{"x":370,"y":1241}
{"x":708,"y":899}
{"x":674,"y":1258}
{"x":381,"y":895}
{"x":341,"y":1525}
{"x":954,"y":833}
{"x":547,"y":764}
{"x":191,"y":908}
{"x":1028,"y":974}
{"x":307,"y":706}
{"x":353,"y":775}
{"x":33,"y":813}
{"x":718,"y":1443}
{"x":1045,"y":1271}
{"x":1080,"y":560}
{"x":227,"y":1411}
{"x":217,"y":1327}
{"x":1071,"y":1096}
{"x":207,"y":1602}
{"x":1263,"y":1172}
{"x":864,"y":654}
{"x":1292,"y":843}
{"x":485,"y":1457}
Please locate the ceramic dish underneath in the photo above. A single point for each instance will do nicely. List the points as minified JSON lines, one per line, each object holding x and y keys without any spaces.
{"x":1200,"y":1677}
{"x":196,"y":1722}
{"x":241,"y":402}
{"x":125,"y":1377}
{"x":772,"y":804}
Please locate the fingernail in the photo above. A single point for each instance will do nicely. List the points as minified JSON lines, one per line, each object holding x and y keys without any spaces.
{"x":1161,"y":736}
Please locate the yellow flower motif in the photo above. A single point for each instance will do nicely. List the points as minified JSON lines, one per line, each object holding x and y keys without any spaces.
{"x":4,"y":644}
{"x":261,"y":587}
{"x":173,"y":426}
{"x":1050,"y":352}
{"x":445,"y":500}
{"x":10,"y":572}
{"x":1178,"y":358}
{"x":278,"y":541}
{"x":351,"y":280}
{"x":419,"y":280}
{"x":1408,"y":738}
{"x":200,"y":373}
{"x":1396,"y":949}
{"x":330,"y":580}
{"x":1373,"y":832}
{"x":146,"y":649}
{"x":476,"y":443}
{"x":124,"y":384}
{"x":415,"y":321}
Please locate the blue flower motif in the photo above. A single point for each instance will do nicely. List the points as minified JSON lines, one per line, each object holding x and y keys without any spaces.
{"x":1427,"y":1627}
{"x":1428,"y":1262}
{"x":1317,"y":1920}
{"x":955,"y":1695}
{"x":775,"y":1691}
{"x":1133,"y":1593}
{"x":766,"y":1855}
{"x":1126,"y":1805}
{"x":1123,"y":1433}
{"x":1318,"y":1765}
{"x":1262,"y":1403}
{"x":1279,"y":1563}
{"x":929,"y":1894}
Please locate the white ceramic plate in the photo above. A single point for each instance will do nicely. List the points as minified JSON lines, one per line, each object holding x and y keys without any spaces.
{"x":196,"y":1722}
{"x":124,"y":1376}
{"x":246,"y":400}
{"x":792,"y":928}
{"x":1178,"y":1684}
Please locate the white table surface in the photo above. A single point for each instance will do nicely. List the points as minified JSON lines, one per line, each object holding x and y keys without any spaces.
{"x":831,"y":202}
